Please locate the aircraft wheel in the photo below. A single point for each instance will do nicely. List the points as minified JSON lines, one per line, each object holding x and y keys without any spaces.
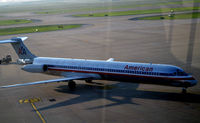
{"x":72,"y":85}
{"x":184,"y":91}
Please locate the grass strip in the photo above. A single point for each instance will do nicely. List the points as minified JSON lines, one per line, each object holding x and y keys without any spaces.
{"x":131,"y":5}
{"x":137,"y":12}
{"x":176,"y":16}
{"x":13,"y":22}
{"x":33,"y":29}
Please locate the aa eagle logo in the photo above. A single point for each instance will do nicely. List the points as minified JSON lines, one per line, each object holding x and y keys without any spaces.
{"x":22,"y":51}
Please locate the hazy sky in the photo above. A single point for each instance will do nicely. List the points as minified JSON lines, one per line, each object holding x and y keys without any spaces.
{"x":16,"y":0}
{"x":74,"y":1}
{"x":43,"y":0}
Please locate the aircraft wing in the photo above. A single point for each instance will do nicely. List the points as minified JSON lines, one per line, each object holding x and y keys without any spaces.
{"x":46,"y":81}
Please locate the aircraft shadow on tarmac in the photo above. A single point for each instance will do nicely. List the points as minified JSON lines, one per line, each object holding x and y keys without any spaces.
{"x":126,"y":91}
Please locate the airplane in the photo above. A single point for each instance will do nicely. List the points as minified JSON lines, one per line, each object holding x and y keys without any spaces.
{"x":89,"y":70}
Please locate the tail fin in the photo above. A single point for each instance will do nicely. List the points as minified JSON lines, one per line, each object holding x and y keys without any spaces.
{"x":19,"y":47}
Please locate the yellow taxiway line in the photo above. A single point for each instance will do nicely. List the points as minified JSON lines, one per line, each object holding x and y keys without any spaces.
{"x":32,"y":101}
{"x":38,"y":113}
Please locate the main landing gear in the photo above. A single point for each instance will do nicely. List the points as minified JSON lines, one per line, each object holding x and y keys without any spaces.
{"x":72,"y":85}
{"x":184,"y":87}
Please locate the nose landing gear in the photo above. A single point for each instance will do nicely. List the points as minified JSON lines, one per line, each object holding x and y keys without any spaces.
{"x":185,"y":85}
{"x":184,"y":90}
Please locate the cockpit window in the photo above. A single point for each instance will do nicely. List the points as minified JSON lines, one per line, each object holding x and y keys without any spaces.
{"x":181,"y":73}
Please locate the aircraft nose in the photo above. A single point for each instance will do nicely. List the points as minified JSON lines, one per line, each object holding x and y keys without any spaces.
{"x":193,"y":81}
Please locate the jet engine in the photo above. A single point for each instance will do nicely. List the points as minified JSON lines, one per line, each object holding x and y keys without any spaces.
{"x":33,"y":68}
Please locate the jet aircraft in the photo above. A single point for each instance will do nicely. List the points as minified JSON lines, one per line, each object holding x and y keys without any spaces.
{"x":88,"y":70}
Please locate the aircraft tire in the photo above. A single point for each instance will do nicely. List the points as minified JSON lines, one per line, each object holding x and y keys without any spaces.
{"x":184,"y":91}
{"x":72,"y":85}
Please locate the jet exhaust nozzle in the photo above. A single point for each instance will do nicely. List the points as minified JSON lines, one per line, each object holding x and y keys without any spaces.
{"x":34,"y":68}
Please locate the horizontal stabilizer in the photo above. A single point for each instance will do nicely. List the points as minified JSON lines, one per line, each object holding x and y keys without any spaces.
{"x":7,"y":41}
{"x":110,"y":59}
{"x":13,"y":40}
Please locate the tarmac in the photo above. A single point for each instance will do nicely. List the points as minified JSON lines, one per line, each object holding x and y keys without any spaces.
{"x":173,"y":42}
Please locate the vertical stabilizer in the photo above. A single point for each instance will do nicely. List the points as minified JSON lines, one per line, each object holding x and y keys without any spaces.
{"x":19,"y":47}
